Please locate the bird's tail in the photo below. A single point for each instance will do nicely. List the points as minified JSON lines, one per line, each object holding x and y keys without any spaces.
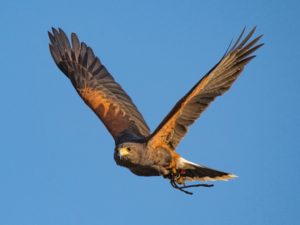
{"x":192,"y":171}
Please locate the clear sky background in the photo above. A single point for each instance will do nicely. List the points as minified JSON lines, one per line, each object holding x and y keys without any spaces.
{"x":56,"y":158}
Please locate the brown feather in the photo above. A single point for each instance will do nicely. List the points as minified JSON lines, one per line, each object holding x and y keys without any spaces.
{"x":97,"y":87}
{"x":217,"y":81}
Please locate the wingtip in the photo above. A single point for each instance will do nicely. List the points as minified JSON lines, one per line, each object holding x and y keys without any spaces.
{"x":49,"y":34}
{"x":53,"y":30}
{"x":244,"y":29}
{"x":50,"y":31}
{"x":51,"y":37}
{"x":260,"y":45}
{"x":254,"y":29}
{"x":73,"y":34}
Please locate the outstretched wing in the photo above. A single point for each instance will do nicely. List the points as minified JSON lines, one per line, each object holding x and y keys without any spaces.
{"x":217,"y":81}
{"x":97,"y":87}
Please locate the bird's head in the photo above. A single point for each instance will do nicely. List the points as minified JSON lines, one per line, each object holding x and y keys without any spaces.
{"x":128,"y":153}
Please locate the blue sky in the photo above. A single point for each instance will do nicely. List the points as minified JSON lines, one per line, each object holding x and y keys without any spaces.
{"x":56,"y":158}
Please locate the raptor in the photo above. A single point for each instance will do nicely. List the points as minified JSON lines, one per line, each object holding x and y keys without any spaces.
{"x":142,"y":152}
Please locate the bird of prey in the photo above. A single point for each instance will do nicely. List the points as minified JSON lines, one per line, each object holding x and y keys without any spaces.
{"x":142,"y":152}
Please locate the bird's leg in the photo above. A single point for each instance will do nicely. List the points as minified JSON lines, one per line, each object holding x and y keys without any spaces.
{"x":175,"y":185}
{"x":173,"y":182}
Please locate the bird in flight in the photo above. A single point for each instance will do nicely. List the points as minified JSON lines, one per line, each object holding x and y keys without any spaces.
{"x":142,"y":152}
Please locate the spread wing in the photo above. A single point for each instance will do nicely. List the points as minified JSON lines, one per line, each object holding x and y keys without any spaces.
{"x":217,"y":81}
{"x":97,"y":87}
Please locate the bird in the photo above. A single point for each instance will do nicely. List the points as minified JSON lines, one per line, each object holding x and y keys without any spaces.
{"x":143,"y":152}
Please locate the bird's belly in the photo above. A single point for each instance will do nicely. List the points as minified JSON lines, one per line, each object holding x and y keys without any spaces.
{"x":144,"y":171}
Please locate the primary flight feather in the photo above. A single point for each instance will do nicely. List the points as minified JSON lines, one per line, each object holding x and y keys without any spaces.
{"x":145,"y":153}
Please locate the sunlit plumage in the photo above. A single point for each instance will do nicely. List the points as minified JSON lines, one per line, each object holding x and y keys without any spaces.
{"x":143,"y":152}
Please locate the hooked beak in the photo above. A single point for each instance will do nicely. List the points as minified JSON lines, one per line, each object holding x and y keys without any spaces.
{"x":122,"y":152}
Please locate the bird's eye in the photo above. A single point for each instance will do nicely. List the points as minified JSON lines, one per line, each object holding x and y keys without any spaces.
{"x":129,"y":149}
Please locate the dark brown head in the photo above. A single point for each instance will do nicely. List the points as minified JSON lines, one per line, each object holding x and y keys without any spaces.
{"x":129,"y":154}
